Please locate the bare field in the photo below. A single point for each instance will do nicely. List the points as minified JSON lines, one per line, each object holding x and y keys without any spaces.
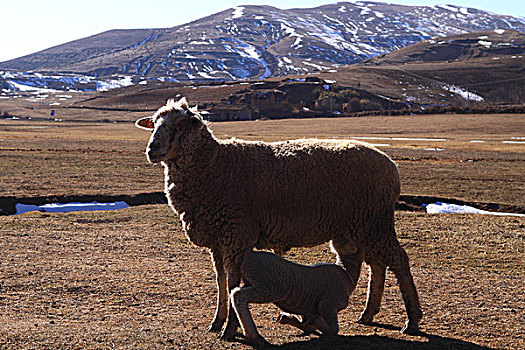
{"x":130,"y":279}
{"x":435,"y":154}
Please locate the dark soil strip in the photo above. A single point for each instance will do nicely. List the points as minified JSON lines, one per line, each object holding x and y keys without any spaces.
{"x":406,"y":202}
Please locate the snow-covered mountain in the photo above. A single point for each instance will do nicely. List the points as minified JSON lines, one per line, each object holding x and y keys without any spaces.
{"x":258,"y":42}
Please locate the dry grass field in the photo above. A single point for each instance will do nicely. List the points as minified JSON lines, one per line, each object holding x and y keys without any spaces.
{"x":130,"y":279}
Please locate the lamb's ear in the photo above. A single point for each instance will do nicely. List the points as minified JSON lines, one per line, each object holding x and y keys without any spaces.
{"x":145,"y":123}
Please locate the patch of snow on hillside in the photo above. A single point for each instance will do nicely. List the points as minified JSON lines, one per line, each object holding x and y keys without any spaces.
{"x":333,"y":20}
{"x":250,"y":52}
{"x":487,"y":44}
{"x":316,"y":66}
{"x":464,"y":11}
{"x":467,"y":95}
{"x":121,"y":81}
{"x":342,"y":9}
{"x":292,"y":33}
{"x":499,"y":31}
{"x":238,"y":12}
{"x":205,"y":75}
{"x":448,"y":7}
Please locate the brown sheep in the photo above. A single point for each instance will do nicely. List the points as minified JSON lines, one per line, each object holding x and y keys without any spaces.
{"x":233,"y":195}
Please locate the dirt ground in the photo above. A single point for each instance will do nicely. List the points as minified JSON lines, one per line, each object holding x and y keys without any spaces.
{"x":130,"y":279}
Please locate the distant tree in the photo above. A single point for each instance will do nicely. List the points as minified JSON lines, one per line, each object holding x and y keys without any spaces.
{"x":354,"y":105}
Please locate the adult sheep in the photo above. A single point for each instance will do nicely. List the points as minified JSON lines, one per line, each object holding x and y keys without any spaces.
{"x":233,"y":195}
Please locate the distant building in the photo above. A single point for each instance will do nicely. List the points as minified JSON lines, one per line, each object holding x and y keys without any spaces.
{"x":230,"y":113}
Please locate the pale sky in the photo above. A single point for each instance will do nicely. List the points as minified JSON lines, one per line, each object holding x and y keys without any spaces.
{"x":29,"y":26}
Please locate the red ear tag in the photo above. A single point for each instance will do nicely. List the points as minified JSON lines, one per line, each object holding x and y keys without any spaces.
{"x":145,"y":123}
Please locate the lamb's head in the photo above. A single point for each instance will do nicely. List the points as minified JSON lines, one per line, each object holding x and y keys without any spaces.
{"x":169,"y":126}
{"x":342,"y":246}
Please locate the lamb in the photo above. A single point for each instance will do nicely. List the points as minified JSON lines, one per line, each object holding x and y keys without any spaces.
{"x":316,"y":292}
{"x":233,"y":195}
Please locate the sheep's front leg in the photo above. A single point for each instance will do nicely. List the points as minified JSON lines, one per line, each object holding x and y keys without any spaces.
{"x":234,"y":280}
{"x":222,"y":293}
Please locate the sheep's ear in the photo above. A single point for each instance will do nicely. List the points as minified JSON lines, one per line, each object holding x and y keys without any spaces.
{"x":145,"y":123}
{"x":194,"y":110}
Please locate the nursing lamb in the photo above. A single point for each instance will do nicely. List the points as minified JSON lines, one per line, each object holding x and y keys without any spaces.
{"x":316,"y":292}
{"x":233,"y":195}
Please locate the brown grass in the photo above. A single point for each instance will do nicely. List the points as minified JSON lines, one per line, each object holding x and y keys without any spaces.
{"x":41,"y":158}
{"x":130,"y":279}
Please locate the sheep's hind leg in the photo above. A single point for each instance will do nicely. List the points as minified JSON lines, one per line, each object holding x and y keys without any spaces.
{"x":240,"y":298}
{"x":401,"y":269}
{"x":376,"y":286}
{"x":221,"y":311}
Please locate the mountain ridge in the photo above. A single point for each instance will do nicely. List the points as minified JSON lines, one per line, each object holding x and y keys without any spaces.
{"x":258,"y":42}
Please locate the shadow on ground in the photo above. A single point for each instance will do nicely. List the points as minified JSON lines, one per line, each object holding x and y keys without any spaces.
{"x":373,"y":342}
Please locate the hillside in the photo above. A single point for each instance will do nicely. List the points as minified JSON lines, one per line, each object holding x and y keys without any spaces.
{"x":259,"y":42}
{"x":492,"y":43}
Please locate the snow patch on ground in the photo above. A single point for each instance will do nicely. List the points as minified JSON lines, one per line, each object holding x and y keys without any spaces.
{"x":67,"y":207}
{"x":440,"y":208}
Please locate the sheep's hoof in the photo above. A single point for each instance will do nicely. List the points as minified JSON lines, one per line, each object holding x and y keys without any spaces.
{"x":284,"y":319}
{"x":259,"y":340}
{"x":216,"y":326}
{"x":228,"y":334}
{"x":411,"y":328}
{"x":365,"y":319}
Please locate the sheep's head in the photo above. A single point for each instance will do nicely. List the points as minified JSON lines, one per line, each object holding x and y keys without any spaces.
{"x":169,"y":126}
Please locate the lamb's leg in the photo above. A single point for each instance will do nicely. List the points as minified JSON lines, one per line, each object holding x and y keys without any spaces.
{"x":240,"y":298}
{"x":401,"y":269}
{"x":232,"y":323}
{"x":222,"y":293}
{"x":376,"y":286}
{"x":307,"y":324}
{"x":327,"y":321}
